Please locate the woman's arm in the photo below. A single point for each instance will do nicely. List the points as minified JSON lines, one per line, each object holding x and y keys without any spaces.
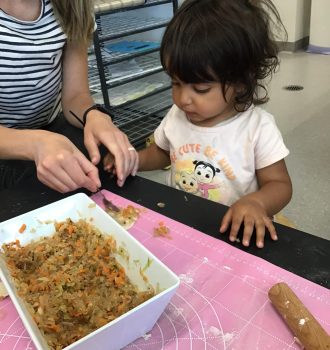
{"x":255,"y":209}
{"x":99,"y":128}
{"x":75,"y":89}
{"x":18,"y":144}
{"x":59,"y":164}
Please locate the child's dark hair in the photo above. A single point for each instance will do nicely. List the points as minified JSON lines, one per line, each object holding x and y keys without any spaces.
{"x":228,"y":41}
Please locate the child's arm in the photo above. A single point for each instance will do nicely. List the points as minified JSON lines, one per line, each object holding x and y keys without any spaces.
{"x":255,"y":209}
{"x":152,"y":158}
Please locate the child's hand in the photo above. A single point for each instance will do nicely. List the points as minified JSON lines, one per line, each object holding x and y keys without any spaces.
{"x":109,"y":163}
{"x":252,"y":214}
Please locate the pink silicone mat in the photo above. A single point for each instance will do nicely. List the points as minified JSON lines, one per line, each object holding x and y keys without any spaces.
{"x":222,"y":300}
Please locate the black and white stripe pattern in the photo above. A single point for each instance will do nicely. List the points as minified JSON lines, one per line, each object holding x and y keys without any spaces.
{"x":30,"y":69}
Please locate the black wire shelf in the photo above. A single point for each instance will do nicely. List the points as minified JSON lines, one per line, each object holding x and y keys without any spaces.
{"x":148,"y":3}
{"x":133,"y":112}
{"x":111,"y":27}
{"x":139,"y":119}
{"x":124,"y":69}
{"x":119,"y":74}
{"x":116,"y":57}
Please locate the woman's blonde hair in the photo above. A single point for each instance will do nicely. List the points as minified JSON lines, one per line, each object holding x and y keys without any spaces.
{"x":76,"y":18}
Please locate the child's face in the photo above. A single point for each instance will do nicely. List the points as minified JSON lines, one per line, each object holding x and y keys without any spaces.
{"x":204,"y":104}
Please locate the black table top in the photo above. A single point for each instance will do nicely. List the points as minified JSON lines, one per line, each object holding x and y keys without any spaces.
{"x":296,"y":251}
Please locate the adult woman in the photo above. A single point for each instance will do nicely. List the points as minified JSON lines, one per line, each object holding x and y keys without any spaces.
{"x":43,"y":67}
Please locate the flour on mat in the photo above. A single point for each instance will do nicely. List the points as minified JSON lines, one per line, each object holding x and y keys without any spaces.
{"x":178,"y":311}
{"x":186,"y":278}
{"x":227,"y":337}
{"x":227,"y":268}
{"x":215,"y":331}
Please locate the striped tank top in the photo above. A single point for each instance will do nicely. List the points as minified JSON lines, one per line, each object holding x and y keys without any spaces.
{"x":30,"y":69}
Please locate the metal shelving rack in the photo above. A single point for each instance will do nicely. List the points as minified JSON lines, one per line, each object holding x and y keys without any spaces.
{"x":139,"y":113}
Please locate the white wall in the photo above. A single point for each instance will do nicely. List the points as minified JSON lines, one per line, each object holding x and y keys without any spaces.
{"x":320,"y":23}
{"x":303,"y":18}
{"x":295,"y":15}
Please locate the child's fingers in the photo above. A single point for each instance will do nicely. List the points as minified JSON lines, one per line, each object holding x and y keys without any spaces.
{"x":271,"y":229}
{"x":226,"y":221}
{"x":248,"y":231}
{"x":235,"y":226}
{"x":108,"y":162}
{"x":260,"y":233}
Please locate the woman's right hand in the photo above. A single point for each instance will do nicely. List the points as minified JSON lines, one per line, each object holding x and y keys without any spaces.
{"x":61,"y":166}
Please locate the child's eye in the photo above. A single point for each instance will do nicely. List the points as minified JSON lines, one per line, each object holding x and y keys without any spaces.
{"x":202,"y":90}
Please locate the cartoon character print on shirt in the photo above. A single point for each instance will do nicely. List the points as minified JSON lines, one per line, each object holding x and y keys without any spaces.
{"x":187,"y":182}
{"x":205,"y":173}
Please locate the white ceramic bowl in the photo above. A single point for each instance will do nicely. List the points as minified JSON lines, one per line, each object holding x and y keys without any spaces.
{"x":126,"y":328}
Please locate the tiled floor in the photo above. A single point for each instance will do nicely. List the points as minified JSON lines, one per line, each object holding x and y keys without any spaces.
{"x":304,"y":119}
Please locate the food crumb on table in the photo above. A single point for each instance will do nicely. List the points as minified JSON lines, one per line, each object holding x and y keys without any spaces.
{"x":162,"y":231}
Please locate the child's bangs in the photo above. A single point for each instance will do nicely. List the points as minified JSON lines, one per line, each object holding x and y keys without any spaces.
{"x":187,"y":61}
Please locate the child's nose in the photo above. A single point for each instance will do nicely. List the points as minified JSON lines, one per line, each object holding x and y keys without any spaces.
{"x":185,"y":97}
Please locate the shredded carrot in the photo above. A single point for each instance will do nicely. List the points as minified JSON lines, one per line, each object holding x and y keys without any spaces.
{"x":71,"y":229}
{"x":22,"y":228}
{"x":53,"y":327}
{"x":72,"y":281}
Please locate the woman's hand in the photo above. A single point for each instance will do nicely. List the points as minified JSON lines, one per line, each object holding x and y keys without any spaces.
{"x":61,"y":166}
{"x":99,"y":129}
{"x":252,"y":215}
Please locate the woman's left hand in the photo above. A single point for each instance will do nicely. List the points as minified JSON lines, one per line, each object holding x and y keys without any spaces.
{"x":252,"y":215}
{"x":99,"y":129}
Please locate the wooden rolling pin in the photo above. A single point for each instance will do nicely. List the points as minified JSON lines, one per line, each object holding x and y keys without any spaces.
{"x":301,"y":322}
